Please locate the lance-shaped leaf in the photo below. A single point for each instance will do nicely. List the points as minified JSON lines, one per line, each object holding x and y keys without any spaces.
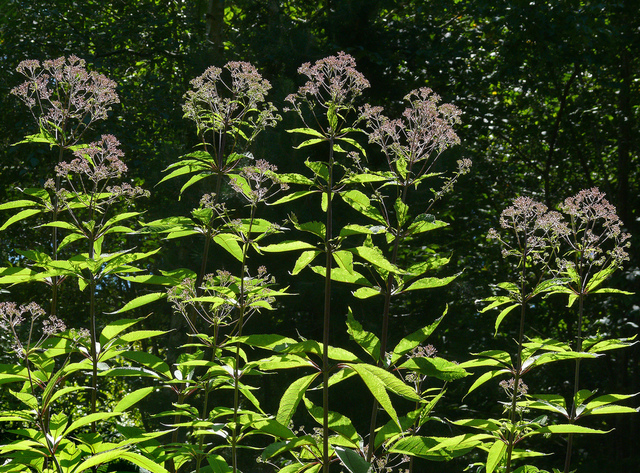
{"x":361,"y":203}
{"x":379,"y":381}
{"x":277,"y":448}
{"x":337,"y":422}
{"x":230,"y":243}
{"x":486,"y":377}
{"x":293,"y":196}
{"x":305,"y":258}
{"x":140,"y":301}
{"x":436,"y":368}
{"x":424,"y":223}
{"x":414,"y":339}
{"x":292,"y":396}
{"x":430,"y":282}
{"x":319,"y":169}
{"x":289,"y":245}
{"x":548,"y":402}
{"x":133,"y":398}
{"x":502,"y":315}
{"x":294,"y":178}
{"x":26,"y":213}
{"x":567,"y":429}
{"x":352,"y":460}
{"x":366,"y":292}
{"x":367,"y":340}
{"x":598,"y":346}
{"x":437,"y":448}
{"x":342,"y":275}
{"x":374,"y":256}
{"x":267,"y":341}
{"x":496,"y":454}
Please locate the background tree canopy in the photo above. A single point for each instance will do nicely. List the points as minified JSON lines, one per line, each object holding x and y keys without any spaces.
{"x":550,"y":94}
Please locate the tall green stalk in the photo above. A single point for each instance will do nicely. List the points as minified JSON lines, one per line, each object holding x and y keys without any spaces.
{"x":326,"y":326}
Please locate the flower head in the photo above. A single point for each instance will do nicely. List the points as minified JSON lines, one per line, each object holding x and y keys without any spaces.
{"x":596,"y":233}
{"x":333,"y":84}
{"x":225,"y":106}
{"x":425,"y":129}
{"x":65,"y":99}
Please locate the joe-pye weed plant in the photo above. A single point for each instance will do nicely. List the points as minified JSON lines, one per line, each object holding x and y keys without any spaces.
{"x":551,"y":256}
{"x":65,"y":101}
{"x":229,"y":113}
{"x":325,"y":104}
{"x":85,"y":199}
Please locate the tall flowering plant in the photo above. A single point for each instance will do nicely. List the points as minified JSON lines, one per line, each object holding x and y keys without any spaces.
{"x":552,"y":255}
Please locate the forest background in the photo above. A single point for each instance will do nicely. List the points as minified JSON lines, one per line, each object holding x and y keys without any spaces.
{"x":550,"y":94}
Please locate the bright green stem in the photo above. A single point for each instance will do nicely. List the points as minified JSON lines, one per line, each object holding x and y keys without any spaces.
{"x":576,"y":381}
{"x":327,"y":315}
{"x":236,"y":372}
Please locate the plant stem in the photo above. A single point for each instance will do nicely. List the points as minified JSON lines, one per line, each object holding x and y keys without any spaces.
{"x":327,"y":314}
{"x":576,"y":381}
{"x":385,"y":319}
{"x":236,"y":377}
{"x":518,"y":364}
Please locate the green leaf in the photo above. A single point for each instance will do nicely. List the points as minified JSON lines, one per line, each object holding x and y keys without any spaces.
{"x":18,"y":204}
{"x":484,"y":378}
{"x":306,"y":131}
{"x":435,"y":448}
{"x":341,"y":275}
{"x":19,"y":216}
{"x":362,"y":178}
{"x":294,"y":178}
{"x":428,"y":283}
{"x":568,"y":429}
{"x":292,"y":396}
{"x":352,"y":461}
{"x":267,"y":341}
{"x":148,"y":360}
{"x":289,"y":245}
{"x":140,"y":301}
{"x":218,"y":464}
{"x":414,"y":339}
{"x":143,"y":462}
{"x":99,"y":459}
{"x":402,"y":211}
{"x":361,"y":203}
{"x":230,"y":243}
{"x":600,"y":277}
{"x":436,"y":368}
{"x":293,"y":196}
{"x":502,"y":315}
{"x":305,"y":258}
{"x":42,"y":137}
{"x":116,"y":327}
{"x":319,"y":169}
{"x":424,"y":223}
{"x":310,"y":142}
{"x":340,"y":424}
{"x":374,"y":256}
{"x":367,"y":340}
{"x":366,"y":292}
{"x":496,"y":453}
{"x":378,"y":388}
{"x":133,"y":398}
{"x":89,"y":418}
